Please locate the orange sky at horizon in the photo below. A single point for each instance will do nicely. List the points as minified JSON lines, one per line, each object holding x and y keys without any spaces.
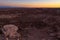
{"x":33,"y":5}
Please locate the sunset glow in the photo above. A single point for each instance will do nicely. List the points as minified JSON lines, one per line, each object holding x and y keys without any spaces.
{"x":31,"y":3}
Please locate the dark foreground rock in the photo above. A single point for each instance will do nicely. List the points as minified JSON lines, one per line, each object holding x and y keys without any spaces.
{"x":33,"y":23}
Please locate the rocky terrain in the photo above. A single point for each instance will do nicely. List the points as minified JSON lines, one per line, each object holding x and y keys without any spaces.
{"x":33,"y":23}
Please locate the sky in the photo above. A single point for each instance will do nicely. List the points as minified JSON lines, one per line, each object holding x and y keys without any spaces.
{"x":30,"y":3}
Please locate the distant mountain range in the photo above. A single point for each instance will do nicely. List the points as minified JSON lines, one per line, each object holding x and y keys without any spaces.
{"x":12,"y":7}
{"x":6,"y":7}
